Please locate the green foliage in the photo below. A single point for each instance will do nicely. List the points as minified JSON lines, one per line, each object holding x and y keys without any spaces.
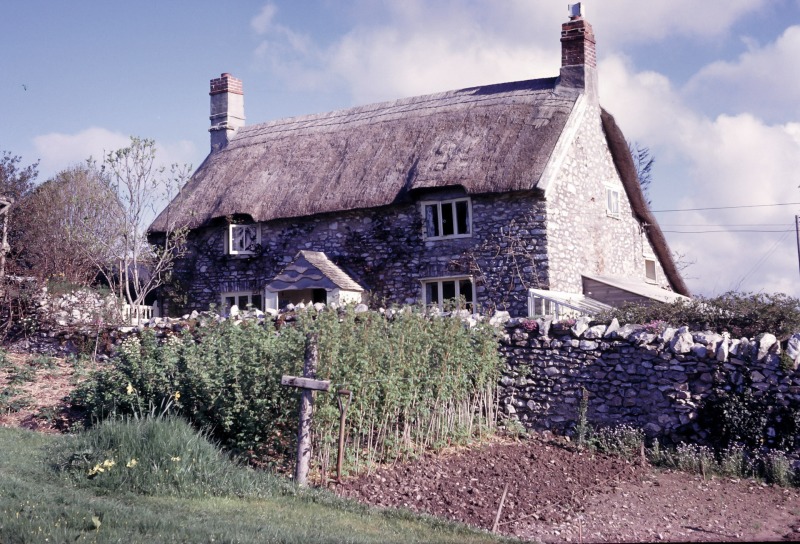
{"x":419,"y":382}
{"x":741,"y":314}
{"x":740,"y":417}
{"x":155,"y":456}
{"x":583,"y":429}
{"x":622,"y":441}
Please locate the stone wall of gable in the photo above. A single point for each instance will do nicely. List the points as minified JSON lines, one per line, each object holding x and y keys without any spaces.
{"x":383,"y":250}
{"x":582,"y":238}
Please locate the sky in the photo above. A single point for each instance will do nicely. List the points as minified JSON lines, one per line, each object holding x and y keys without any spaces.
{"x":712,"y":88}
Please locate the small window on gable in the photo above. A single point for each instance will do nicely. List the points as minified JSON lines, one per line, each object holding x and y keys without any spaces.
{"x":447,"y":218}
{"x":650,"y":272}
{"x":243,"y":239}
{"x":439,"y":291}
{"x":242,"y":300}
{"x":612,"y":202}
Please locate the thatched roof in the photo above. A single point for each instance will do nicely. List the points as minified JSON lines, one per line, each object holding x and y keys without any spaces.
{"x":312,"y":270}
{"x":623,"y":160}
{"x":490,"y":139}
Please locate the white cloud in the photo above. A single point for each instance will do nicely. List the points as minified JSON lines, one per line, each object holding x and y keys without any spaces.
{"x":768,"y":72}
{"x":58,"y":151}
{"x":729,"y":160}
{"x":262,"y":22}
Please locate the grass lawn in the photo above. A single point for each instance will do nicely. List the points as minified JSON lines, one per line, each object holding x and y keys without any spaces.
{"x":179,"y":489}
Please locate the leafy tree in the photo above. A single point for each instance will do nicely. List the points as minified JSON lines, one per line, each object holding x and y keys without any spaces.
{"x":61,"y":220}
{"x":15,"y":182}
{"x":132,"y":265}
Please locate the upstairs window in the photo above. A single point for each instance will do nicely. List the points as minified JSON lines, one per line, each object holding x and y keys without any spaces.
{"x":650,"y":273}
{"x":612,"y":202}
{"x":448,"y":218}
{"x":439,"y":291}
{"x":243,"y":239}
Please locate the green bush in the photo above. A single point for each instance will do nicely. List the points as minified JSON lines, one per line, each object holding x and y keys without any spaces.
{"x":739,"y":417}
{"x":153,"y":456}
{"x":418,"y":382}
{"x":741,"y":314}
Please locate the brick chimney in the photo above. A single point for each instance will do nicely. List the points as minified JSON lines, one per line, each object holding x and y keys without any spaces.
{"x":578,"y":57}
{"x":227,"y":109}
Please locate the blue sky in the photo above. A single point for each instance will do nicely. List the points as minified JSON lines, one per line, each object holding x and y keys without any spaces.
{"x":713,"y":88}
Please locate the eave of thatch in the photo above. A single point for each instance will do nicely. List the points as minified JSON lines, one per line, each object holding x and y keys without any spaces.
{"x":490,"y":139}
{"x":623,"y":160}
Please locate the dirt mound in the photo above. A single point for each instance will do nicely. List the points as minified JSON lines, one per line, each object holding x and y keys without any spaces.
{"x":557,"y":494}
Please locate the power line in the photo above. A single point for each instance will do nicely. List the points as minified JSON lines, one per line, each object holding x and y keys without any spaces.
{"x":728,"y":207}
{"x":722,"y":231}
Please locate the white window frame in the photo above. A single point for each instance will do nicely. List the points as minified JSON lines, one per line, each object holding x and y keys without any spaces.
{"x":612,"y":202}
{"x":232,"y":234}
{"x":647,"y":277}
{"x":236,"y":295}
{"x":449,"y":202}
{"x":440,"y":282}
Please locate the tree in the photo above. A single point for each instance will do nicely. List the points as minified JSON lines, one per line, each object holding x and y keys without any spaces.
{"x":643,"y":161}
{"x":60,"y":221}
{"x":15,"y":182}
{"x":140,"y":186}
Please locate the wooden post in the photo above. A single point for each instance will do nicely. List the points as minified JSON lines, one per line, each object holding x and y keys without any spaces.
{"x":342,"y":419}
{"x":308,"y":384}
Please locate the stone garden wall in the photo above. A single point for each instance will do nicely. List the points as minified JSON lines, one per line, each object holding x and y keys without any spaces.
{"x":654,"y":378}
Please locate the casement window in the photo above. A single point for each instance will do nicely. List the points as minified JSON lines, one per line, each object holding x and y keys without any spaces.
{"x":438,"y":291}
{"x":242,"y":299}
{"x":243,"y":239}
{"x":612,"y":202}
{"x":447,"y":218}
{"x":650,"y":272}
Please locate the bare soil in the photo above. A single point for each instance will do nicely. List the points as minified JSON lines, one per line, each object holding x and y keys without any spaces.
{"x":554,"y":493}
{"x":557,"y":494}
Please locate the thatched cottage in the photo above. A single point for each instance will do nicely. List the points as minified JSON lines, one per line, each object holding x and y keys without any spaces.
{"x":512,"y":196}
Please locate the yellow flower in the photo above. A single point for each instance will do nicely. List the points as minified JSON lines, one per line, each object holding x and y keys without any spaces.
{"x":108,"y":463}
{"x":97,"y":469}
{"x":130,"y":389}
{"x":176,"y":459}
{"x":177,"y":395}
{"x":132,"y":463}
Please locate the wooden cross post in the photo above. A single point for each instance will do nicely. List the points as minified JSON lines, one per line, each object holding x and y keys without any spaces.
{"x":308,"y":384}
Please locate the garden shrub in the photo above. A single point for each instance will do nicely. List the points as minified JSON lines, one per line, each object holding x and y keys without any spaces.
{"x":741,"y":314}
{"x":418,"y":381}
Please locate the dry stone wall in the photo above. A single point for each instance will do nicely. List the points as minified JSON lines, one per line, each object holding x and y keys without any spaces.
{"x":651,"y":379}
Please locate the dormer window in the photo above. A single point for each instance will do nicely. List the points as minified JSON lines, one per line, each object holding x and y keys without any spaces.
{"x":448,"y":218}
{"x":243,"y":239}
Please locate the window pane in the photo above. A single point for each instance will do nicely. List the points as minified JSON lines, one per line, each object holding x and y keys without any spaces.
{"x":432,"y":219}
{"x":448,"y":290}
{"x":447,"y":219}
{"x":462,"y":217}
{"x":650,"y":269}
{"x":244,"y":300}
{"x":230,"y":301}
{"x":257,"y":302}
{"x":465,"y":290}
{"x":432,"y":293}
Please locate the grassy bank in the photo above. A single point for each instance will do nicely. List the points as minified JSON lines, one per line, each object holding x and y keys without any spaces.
{"x":179,"y":489}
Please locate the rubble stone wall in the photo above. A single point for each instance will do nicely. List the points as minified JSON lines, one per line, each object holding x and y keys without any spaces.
{"x":651,"y":380}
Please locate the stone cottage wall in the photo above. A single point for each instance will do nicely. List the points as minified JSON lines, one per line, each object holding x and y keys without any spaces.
{"x":383,"y":250}
{"x":651,"y":381}
{"x":582,"y":237}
